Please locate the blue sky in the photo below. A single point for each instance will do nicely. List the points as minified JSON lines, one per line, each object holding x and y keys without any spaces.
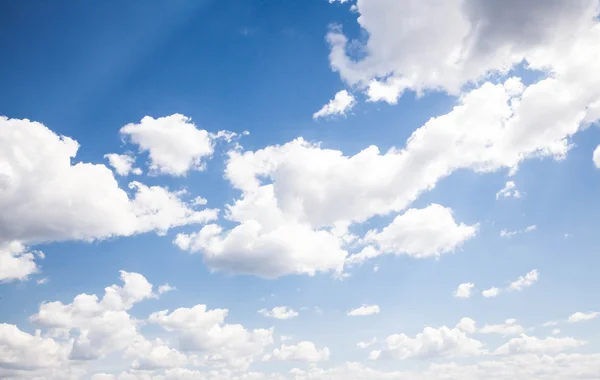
{"x":413,"y":118}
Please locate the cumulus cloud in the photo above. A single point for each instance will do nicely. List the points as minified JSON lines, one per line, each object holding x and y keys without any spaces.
{"x":509,"y":190}
{"x":279,"y":312}
{"x":22,"y":351}
{"x":290,"y":248}
{"x":581,"y":317}
{"x":418,"y":46}
{"x":464,"y":290}
{"x":432,"y":343}
{"x":420,"y":233}
{"x":47,"y":198}
{"x":102,"y":326}
{"x":304,"y":351}
{"x":520,"y":367}
{"x":491,"y":292}
{"x":339,"y":105}
{"x":532,"y":345}
{"x":467,"y":325}
{"x":300,"y":187}
{"x":205,"y":332}
{"x":122,"y":163}
{"x":524,"y":281}
{"x":91,"y":329}
{"x":509,"y":327}
{"x":16,"y":263}
{"x":174,"y":144}
{"x":596,"y":157}
{"x":364,"y":311}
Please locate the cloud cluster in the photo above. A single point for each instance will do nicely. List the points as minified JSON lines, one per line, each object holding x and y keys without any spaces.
{"x":47,"y":197}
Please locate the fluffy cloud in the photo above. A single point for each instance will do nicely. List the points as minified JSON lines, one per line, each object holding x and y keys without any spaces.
{"x":301,"y":187}
{"x":467,"y":325}
{"x":22,"y":351}
{"x":596,"y":157}
{"x":279,"y":312}
{"x":151,"y":355}
{"x":174,"y":144}
{"x":339,"y":105}
{"x":15,"y":262}
{"x":122,"y":163}
{"x":464,"y":290}
{"x":509,"y":327}
{"x":420,"y":233}
{"x":303,"y":351}
{"x":509,"y":190}
{"x":44,"y":197}
{"x":418,"y":46}
{"x":364,"y":310}
{"x":581,"y":317}
{"x":524,"y":281}
{"x":205,"y":332}
{"x":290,"y":248}
{"x":432,"y":343}
{"x":520,"y":367}
{"x":491,"y":292}
{"x":532,"y":345}
{"x":102,"y":326}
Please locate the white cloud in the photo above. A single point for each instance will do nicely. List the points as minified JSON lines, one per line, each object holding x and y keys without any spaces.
{"x":166,"y":288}
{"x":420,"y":233}
{"x":532,"y":345}
{"x":250,"y":248}
{"x":300,"y":186}
{"x":15,"y":262}
{"x":174,"y":144}
{"x":279,"y":312}
{"x":42,"y":281}
{"x":491,"y":292}
{"x":339,"y":105}
{"x":102,"y":326}
{"x":467,"y":325}
{"x":432,"y":343}
{"x":509,"y":190}
{"x":303,"y":351}
{"x":551,"y":323}
{"x":199,"y":201}
{"x":555,"y":331}
{"x":447,"y":44}
{"x":581,"y":317}
{"x":366,"y":344}
{"x":90,"y":331}
{"x":464,"y":290}
{"x":47,"y":198}
{"x":508,"y":234}
{"x":524,"y":281}
{"x":205,"y":332}
{"x":22,"y":351}
{"x":364,"y":311}
{"x":596,"y":157}
{"x":151,"y":355}
{"x":509,"y":327}
{"x":122,"y":163}
{"x":520,"y":367}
